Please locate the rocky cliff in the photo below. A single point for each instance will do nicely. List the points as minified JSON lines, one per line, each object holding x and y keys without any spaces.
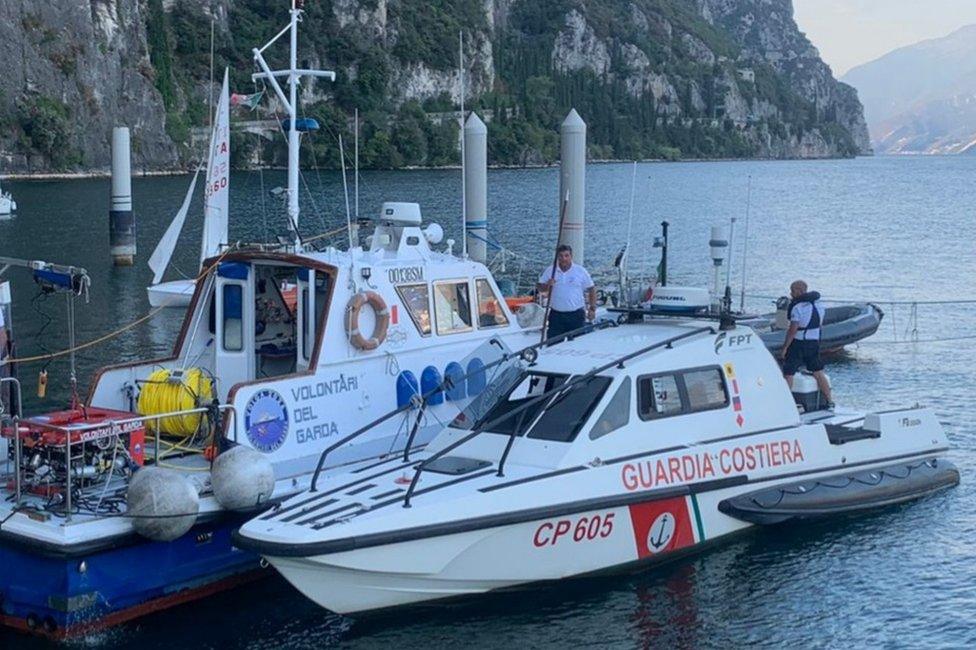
{"x":72,"y":70}
{"x":653,"y":78}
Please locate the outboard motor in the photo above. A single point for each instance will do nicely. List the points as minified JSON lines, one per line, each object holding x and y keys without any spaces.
{"x":806,"y":393}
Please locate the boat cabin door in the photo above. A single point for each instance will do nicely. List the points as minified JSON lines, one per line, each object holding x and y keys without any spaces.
{"x":234,"y":356}
{"x":312,"y":299}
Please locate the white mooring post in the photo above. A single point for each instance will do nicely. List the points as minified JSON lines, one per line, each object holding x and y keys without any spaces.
{"x":476,"y":187}
{"x":121,"y":222}
{"x":572,"y":181}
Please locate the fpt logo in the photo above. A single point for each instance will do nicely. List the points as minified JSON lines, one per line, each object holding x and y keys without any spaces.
{"x":735,"y":341}
{"x":266,"y":420}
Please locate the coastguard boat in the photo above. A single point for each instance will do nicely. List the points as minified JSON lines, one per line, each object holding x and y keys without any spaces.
{"x":123,"y":503}
{"x":632,"y":445}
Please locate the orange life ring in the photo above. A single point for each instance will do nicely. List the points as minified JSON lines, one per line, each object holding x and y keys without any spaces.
{"x":355,"y":306}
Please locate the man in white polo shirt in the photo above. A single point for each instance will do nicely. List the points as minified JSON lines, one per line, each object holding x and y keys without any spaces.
{"x":569,"y":309}
{"x":802,"y":344}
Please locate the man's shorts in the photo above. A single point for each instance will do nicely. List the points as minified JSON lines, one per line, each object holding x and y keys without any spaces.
{"x":800,"y":354}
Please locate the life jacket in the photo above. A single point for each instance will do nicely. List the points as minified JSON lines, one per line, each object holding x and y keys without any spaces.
{"x":811,"y":297}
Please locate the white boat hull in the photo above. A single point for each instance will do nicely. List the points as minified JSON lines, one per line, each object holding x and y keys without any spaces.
{"x":7,"y":206}
{"x":176,"y":293}
{"x":537,"y":551}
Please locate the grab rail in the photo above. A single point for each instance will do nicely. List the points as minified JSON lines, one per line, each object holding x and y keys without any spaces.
{"x":526,"y":353}
{"x":15,"y":419}
{"x":619,"y":362}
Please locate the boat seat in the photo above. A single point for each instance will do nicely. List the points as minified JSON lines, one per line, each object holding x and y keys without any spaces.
{"x":840,"y":435}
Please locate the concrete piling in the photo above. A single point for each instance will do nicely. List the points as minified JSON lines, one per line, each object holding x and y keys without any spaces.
{"x":122,"y":223}
{"x":476,"y":187}
{"x":572,"y":181}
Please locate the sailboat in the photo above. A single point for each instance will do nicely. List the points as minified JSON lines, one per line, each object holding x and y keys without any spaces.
{"x":177,"y":293}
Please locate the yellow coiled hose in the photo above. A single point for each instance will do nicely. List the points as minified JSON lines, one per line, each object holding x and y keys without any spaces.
{"x":164,"y":393}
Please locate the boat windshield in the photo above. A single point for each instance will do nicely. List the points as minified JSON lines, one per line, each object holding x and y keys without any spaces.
{"x":558,"y":418}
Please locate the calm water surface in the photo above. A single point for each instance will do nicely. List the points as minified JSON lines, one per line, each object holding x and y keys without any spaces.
{"x":887,"y":229}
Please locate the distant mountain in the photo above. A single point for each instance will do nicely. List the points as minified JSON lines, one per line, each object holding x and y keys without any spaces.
{"x":921,"y":99}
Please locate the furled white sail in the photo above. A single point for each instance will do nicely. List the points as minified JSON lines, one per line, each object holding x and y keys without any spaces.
{"x":159,"y":260}
{"x":218,"y":180}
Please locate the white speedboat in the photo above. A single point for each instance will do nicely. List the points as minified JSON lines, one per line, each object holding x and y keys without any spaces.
{"x":7,"y":203}
{"x":177,"y":293}
{"x":631,"y":445}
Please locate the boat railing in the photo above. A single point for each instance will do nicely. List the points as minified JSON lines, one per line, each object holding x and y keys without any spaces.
{"x":14,"y":421}
{"x":545,"y":397}
{"x":75,"y":435}
{"x":420,"y":400}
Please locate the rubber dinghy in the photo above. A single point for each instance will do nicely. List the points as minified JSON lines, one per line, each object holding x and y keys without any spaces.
{"x":843,"y":325}
{"x":597,"y":454}
{"x":842,"y":494}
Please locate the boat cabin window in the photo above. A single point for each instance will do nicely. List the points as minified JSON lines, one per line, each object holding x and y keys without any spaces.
{"x":529,"y":387}
{"x":490,"y":312}
{"x":565,"y":415}
{"x":558,"y":418}
{"x":452,"y":307}
{"x":706,"y":389}
{"x":617,"y":413}
{"x":233,"y":317}
{"x":688,"y":391}
{"x":416,"y":299}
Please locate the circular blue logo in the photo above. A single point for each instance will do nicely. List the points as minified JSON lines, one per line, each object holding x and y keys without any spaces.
{"x":266,"y":420}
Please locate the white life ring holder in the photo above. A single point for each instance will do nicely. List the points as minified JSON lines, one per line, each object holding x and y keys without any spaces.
{"x":355,"y":306}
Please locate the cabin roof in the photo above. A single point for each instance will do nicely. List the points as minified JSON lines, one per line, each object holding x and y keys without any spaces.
{"x":603,"y":346}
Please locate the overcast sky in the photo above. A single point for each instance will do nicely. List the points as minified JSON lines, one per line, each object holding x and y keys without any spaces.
{"x":851,"y":32}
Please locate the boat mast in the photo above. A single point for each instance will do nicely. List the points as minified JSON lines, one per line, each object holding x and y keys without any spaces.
{"x":290,"y":103}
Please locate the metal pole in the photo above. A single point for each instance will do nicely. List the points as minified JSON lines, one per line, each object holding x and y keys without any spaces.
{"x":745,"y":246}
{"x":555,"y":260}
{"x":356,"y":160}
{"x":345,"y":192}
{"x":293,"y":141}
{"x":664,"y":254}
{"x":464,"y":198}
{"x":67,"y":462}
{"x":728,"y":270}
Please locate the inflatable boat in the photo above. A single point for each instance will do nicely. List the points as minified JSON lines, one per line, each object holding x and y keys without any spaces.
{"x":848,"y":493}
{"x":843,"y":325}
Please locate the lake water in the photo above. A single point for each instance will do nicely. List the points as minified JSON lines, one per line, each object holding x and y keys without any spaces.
{"x":886,"y":229}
